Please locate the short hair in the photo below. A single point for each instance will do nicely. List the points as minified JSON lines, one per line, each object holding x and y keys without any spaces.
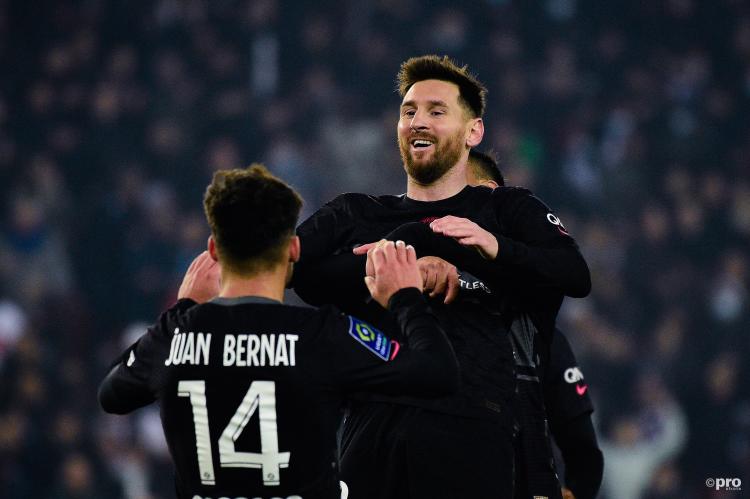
{"x":472,"y":93}
{"x":252,"y":214}
{"x":485,"y":167}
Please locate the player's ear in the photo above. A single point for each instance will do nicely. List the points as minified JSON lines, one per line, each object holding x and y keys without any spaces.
{"x":294,"y":249}
{"x":476,"y":132}
{"x":212,"y":248}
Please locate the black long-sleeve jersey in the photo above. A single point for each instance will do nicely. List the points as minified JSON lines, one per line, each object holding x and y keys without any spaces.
{"x":251,"y":390}
{"x":566,"y":393}
{"x":537,"y":261}
{"x":569,"y":408}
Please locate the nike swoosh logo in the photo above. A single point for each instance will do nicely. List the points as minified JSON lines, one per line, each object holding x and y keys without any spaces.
{"x":581,"y":389}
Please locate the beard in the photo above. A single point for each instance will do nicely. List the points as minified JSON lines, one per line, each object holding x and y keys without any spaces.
{"x":446,"y":155}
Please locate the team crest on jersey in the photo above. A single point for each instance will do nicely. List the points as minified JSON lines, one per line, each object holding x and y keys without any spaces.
{"x":370,"y":338}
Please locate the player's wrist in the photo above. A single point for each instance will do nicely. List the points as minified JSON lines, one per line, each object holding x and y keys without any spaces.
{"x":405,"y":297}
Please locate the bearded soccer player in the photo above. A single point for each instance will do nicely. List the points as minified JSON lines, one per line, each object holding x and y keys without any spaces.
{"x":551,"y":385}
{"x":251,"y":390}
{"x":459,"y":445}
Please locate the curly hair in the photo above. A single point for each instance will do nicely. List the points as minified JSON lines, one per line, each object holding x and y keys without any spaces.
{"x":252,"y":214}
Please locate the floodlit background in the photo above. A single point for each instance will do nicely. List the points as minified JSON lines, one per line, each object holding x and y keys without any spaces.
{"x":631,"y":119}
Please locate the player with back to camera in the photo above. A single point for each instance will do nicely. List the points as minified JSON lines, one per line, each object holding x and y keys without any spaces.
{"x":563,"y":393}
{"x":460,"y":445}
{"x":250,"y":389}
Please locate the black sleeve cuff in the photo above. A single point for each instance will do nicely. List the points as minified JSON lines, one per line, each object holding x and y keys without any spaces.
{"x":405,"y":297}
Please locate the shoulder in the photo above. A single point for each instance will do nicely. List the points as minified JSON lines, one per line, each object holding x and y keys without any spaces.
{"x":175,"y":316}
{"x":513,"y":202}
{"x":511,"y":194}
{"x":352,"y":200}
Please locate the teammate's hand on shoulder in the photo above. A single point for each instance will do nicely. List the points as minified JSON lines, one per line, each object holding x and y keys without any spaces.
{"x":467,"y":233}
{"x":439,"y":277}
{"x":567,"y":494}
{"x":393,"y":267}
{"x":202,"y":279}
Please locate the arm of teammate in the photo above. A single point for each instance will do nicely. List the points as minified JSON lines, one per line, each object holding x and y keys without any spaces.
{"x":131,"y":383}
{"x":569,"y":407}
{"x":584,"y":462}
{"x":322,"y":235}
{"x":534,"y":245}
{"x":333,"y":279}
{"x":426,"y":363}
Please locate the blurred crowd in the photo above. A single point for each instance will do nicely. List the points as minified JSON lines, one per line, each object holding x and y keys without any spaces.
{"x":629,"y":118}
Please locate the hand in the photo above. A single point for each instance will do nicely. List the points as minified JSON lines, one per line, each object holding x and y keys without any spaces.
{"x":361,"y":250}
{"x":394,"y":267}
{"x":438,"y":277}
{"x":467,"y":233}
{"x":567,"y":494}
{"x":365,"y":249}
{"x":201,"y":281}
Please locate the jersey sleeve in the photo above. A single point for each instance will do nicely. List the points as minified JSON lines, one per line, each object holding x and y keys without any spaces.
{"x":334,"y":279}
{"x":584,"y":462}
{"x":323,"y":233}
{"x":566,"y":393}
{"x":321,"y":261}
{"x":535,"y":242}
{"x":365,"y":359}
{"x":133,"y":381}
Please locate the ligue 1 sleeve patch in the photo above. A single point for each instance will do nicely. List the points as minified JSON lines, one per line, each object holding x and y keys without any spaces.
{"x":370,"y":338}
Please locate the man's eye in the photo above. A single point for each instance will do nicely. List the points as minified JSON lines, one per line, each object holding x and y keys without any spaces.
{"x":409,"y":113}
{"x":438,"y":113}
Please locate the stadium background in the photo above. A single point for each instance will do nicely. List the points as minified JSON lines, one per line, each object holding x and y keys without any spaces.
{"x":629,"y":118}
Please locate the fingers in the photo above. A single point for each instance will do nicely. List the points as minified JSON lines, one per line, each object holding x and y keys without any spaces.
{"x":440,"y":286}
{"x":362,"y":250}
{"x":447,"y":221}
{"x":453,"y":288}
{"x":411,"y":255}
{"x":377,"y":255}
{"x":454,"y":226}
{"x":402,"y":255}
{"x":429,"y":279}
{"x":205,"y":264}
{"x":370,"y":283}
{"x":467,"y":241}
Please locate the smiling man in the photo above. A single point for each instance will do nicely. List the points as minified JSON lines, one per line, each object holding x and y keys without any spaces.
{"x":459,"y":445}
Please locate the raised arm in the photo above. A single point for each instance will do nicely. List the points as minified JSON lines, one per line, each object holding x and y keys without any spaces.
{"x":132,"y":383}
{"x":533,"y":246}
{"x":425,"y":364}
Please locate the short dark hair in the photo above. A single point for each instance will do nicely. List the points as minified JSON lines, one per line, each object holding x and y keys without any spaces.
{"x":484,"y":166}
{"x":252,"y":214}
{"x":472,"y":93}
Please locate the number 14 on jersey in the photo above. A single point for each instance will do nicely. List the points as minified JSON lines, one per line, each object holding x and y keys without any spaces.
{"x":261,"y":396}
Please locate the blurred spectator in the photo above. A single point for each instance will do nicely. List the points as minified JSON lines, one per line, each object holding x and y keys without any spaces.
{"x":638,"y":444}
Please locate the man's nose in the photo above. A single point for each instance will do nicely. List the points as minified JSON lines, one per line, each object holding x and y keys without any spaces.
{"x":418,"y":122}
